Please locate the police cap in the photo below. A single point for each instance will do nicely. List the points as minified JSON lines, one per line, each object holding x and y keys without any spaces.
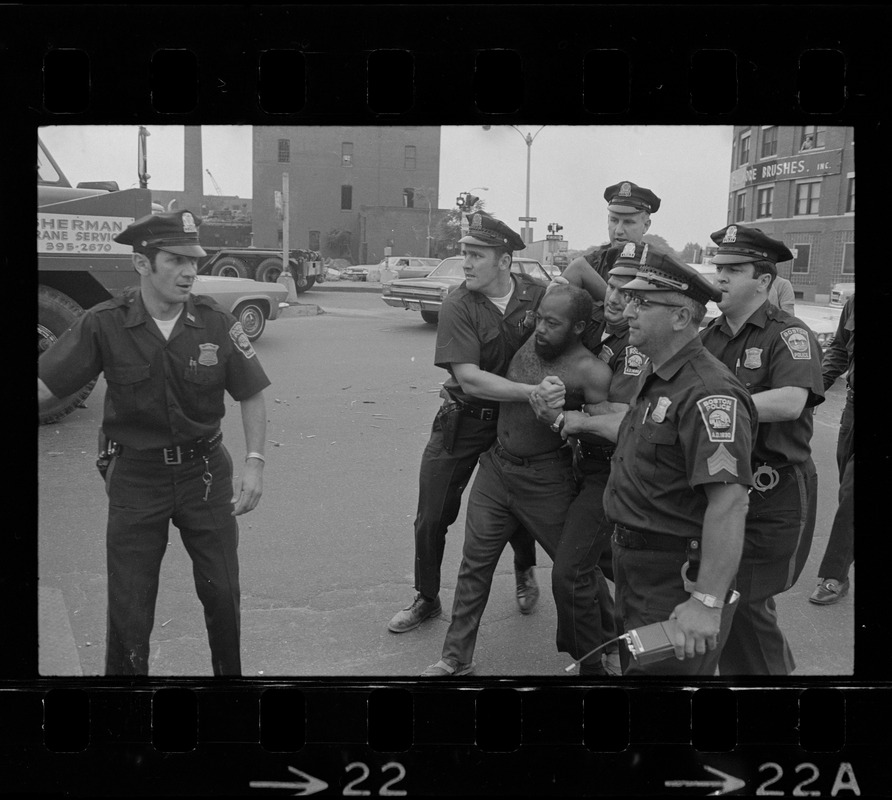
{"x":739,"y":244}
{"x":172,"y":231}
{"x":628,"y":259}
{"x":660,"y":272}
{"x":487,"y":231}
{"x":626,"y":197}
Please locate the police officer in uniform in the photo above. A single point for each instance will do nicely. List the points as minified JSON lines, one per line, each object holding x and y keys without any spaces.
{"x":677,"y":491}
{"x":167,"y":357}
{"x":482,"y":324}
{"x":778,"y":360}
{"x":629,"y":207}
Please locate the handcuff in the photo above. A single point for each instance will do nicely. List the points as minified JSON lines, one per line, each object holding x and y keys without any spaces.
{"x":765,"y":478}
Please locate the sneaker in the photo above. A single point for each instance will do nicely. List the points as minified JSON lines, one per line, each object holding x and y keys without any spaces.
{"x":527,"y":589}
{"x":443,"y":669}
{"x":412,"y":616}
{"x":829,"y":592}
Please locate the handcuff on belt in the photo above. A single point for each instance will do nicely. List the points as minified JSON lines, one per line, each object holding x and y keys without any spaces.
{"x":765,"y":478}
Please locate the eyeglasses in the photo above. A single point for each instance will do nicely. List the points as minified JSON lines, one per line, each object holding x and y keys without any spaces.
{"x":638,"y":302}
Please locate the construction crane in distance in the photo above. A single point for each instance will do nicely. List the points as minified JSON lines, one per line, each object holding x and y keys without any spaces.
{"x":214,"y":181}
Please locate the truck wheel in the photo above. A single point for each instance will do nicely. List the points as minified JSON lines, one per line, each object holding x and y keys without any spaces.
{"x":269,"y":270}
{"x":230,"y":267}
{"x":56,"y":313}
{"x":430,"y":316}
{"x":253,"y":320}
{"x":311,"y":279}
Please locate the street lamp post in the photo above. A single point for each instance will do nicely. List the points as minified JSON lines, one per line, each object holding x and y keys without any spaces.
{"x":528,"y":140}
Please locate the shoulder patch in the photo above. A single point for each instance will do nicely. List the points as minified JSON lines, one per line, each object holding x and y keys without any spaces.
{"x":242,"y":342}
{"x":719,"y":414}
{"x":605,"y":353}
{"x":720,"y":460}
{"x":635,"y":361}
{"x":798,"y":343}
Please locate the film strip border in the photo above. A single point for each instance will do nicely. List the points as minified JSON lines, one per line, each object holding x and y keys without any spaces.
{"x":601,"y":741}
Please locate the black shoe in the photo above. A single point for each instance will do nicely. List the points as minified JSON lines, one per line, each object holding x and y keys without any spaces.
{"x":527,"y":589}
{"x":412,"y":616}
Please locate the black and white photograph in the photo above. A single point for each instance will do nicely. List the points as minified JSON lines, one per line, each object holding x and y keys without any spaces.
{"x":433,"y":402}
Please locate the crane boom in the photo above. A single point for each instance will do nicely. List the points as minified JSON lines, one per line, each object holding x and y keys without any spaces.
{"x":214,"y":181}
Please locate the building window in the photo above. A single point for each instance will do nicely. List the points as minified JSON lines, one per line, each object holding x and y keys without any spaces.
{"x":409,"y":198}
{"x":314,"y":240}
{"x":346,"y":198}
{"x":284,"y":151}
{"x":850,"y":196}
{"x":740,"y":207}
{"x":743,"y":149}
{"x":808,"y":198}
{"x":765,"y":199}
{"x":346,"y":154}
{"x":803,"y":256}
{"x":848,"y":258}
{"x":769,"y":141}
{"x":813,"y":137}
{"x":410,"y":157}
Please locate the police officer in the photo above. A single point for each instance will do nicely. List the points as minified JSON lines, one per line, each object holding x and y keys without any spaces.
{"x":778,"y":360}
{"x":833,"y":580}
{"x":481,"y":326}
{"x":167,"y":356}
{"x":677,"y":491}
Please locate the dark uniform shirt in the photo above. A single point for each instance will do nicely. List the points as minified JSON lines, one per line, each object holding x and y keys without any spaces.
{"x":472,"y":330}
{"x":161,"y":392}
{"x":771,"y":350}
{"x":597,"y":259}
{"x":690,"y":424}
{"x":840,"y":356}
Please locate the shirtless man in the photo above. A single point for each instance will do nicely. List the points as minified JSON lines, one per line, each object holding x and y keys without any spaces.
{"x":526,"y":479}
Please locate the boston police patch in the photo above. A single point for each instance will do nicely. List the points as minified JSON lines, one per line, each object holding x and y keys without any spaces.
{"x":635,"y":361}
{"x":719,"y":414}
{"x":797,"y":343}
{"x":238,"y":335}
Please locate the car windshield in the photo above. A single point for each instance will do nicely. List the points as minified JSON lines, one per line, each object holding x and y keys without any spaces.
{"x":450,"y":268}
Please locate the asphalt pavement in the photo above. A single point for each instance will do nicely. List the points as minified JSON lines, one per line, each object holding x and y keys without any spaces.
{"x":327,"y":557}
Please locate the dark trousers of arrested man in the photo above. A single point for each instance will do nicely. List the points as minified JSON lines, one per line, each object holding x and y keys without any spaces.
{"x":840,"y":552}
{"x":780,"y":526}
{"x":510,"y":492}
{"x":442,"y":480}
{"x":145,"y":496}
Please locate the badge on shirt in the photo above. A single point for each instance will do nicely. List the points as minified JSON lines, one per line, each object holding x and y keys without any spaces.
{"x":238,"y":335}
{"x":797,"y":343}
{"x":720,"y":460}
{"x":719,"y":414}
{"x":659,"y":413}
{"x":208,"y":356}
{"x":635,"y":360}
{"x":606,"y":354}
{"x":753,"y":358}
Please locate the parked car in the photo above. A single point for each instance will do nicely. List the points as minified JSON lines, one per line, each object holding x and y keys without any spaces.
{"x":553,"y":270}
{"x":251,"y":302}
{"x":840,"y":293}
{"x":403,"y":266}
{"x":427,"y":294}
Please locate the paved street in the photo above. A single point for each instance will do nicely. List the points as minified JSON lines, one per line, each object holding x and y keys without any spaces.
{"x":326,"y":559}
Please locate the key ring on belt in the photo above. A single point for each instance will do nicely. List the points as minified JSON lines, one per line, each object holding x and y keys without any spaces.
{"x":765,"y":478}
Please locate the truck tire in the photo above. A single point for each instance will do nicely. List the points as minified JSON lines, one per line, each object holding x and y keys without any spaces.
{"x":311,"y":279}
{"x":56,"y":313}
{"x":253,"y":319}
{"x":230,"y":267}
{"x":269,"y":270}
{"x":430,"y":317}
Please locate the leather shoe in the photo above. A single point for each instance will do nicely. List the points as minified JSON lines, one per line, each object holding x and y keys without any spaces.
{"x":443,"y":669}
{"x":527,"y":589}
{"x":412,"y":616}
{"x":829,"y":591}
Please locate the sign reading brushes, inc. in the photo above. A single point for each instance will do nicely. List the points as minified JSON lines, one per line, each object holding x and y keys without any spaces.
{"x":80,"y":233}
{"x":812,"y":164}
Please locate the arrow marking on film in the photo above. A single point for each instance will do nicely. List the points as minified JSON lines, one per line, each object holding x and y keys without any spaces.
{"x":728,"y":783}
{"x":307,"y":784}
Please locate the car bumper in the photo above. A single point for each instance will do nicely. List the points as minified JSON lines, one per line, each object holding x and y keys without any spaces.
{"x":413,"y":304}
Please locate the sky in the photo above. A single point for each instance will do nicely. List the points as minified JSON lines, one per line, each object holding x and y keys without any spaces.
{"x":688,"y":167}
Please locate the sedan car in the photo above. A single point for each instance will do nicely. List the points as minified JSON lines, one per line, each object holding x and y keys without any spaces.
{"x":403,"y":266}
{"x":251,"y":302}
{"x":427,"y":294}
{"x":840,"y":293}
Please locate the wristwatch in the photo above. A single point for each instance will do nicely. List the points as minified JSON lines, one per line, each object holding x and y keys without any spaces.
{"x":711,"y":601}
{"x":558,"y":423}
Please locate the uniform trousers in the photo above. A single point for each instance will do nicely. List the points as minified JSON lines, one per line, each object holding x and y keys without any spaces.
{"x":583,"y":564}
{"x":780,"y":525}
{"x":442,"y":480}
{"x":648,"y":588}
{"x":145,"y":496}
{"x":840,"y":552}
{"x":504,"y":497}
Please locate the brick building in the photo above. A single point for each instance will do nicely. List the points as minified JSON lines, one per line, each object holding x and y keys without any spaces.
{"x":381,"y":184}
{"x":797,"y":183}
